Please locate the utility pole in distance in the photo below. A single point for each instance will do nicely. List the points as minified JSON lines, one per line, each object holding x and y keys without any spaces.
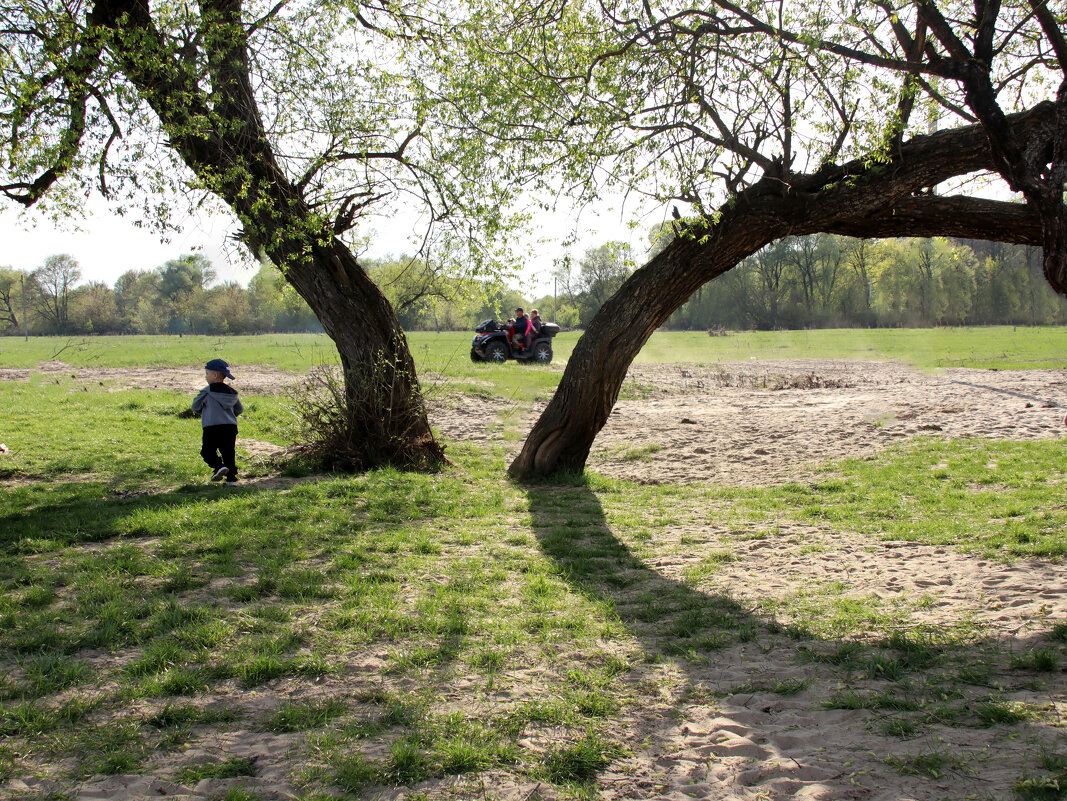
{"x":25,"y":323}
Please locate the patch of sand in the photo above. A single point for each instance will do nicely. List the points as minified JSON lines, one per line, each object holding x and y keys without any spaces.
{"x":723,"y":734}
{"x":761,"y":423}
{"x":256,"y":380}
{"x":712,"y":729}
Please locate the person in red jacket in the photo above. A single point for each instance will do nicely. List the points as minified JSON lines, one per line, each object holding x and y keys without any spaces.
{"x":520,"y":329}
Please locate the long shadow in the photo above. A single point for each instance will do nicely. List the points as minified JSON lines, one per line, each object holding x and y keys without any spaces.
{"x":669,"y":617}
{"x":718,"y":651}
{"x":70,"y":512}
{"x":1000,"y":390}
{"x":49,"y":518}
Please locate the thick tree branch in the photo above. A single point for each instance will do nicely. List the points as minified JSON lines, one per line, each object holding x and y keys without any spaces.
{"x":935,"y":215}
{"x":860,"y":198}
{"x":75,"y":78}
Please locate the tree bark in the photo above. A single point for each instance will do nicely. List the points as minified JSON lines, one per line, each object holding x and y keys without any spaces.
{"x":220,"y":136}
{"x":385,"y":411}
{"x":857,"y":199}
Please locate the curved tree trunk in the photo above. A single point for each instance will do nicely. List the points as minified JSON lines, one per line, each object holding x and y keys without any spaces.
{"x":857,"y":199}
{"x":562,"y":437}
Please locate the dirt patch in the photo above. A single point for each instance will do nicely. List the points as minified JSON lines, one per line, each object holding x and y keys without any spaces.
{"x":255,"y":380}
{"x":762,"y":423}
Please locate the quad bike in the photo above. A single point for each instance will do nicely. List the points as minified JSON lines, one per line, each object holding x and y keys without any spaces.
{"x":492,"y":343}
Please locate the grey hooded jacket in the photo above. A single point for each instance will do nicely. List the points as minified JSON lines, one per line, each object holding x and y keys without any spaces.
{"x":217,"y":404}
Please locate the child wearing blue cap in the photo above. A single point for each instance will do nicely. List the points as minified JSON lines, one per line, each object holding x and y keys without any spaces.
{"x":218,"y":407}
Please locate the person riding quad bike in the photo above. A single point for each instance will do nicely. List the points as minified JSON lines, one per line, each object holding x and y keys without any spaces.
{"x":520,"y":329}
{"x":494,"y":342}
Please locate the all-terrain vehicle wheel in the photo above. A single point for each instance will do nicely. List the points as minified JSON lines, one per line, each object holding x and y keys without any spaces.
{"x":542,"y":353}
{"x":496,"y":352}
{"x":474,"y":356}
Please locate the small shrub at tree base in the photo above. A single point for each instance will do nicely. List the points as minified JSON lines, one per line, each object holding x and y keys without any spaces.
{"x":341,"y":425}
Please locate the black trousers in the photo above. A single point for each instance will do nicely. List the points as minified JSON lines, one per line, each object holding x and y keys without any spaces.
{"x":219,"y":448}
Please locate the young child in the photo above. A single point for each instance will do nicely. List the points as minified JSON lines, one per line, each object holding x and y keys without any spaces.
{"x":218,"y":407}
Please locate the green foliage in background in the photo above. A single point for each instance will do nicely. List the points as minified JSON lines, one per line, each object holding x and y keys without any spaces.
{"x":825,"y":281}
{"x":819,"y":281}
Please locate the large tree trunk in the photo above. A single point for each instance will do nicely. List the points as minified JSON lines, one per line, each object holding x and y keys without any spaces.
{"x":1054,"y":245}
{"x":384,"y":405}
{"x":220,"y":136}
{"x":858,"y":199}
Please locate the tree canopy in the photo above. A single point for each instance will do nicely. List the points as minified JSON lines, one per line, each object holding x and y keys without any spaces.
{"x":746,"y":121}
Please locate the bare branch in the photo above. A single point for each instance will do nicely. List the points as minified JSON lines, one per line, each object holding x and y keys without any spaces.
{"x":256,"y":24}
{"x":942,"y":30}
{"x":1052,"y":30}
{"x":986,"y":12}
{"x":391,"y":155}
{"x":116,"y":133}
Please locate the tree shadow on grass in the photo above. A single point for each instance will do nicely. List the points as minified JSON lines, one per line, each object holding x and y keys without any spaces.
{"x":902,"y":710}
{"x":77,"y":557}
{"x":57,"y":514}
{"x":668,"y":617}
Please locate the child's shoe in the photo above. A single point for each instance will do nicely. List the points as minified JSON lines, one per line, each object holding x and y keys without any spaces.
{"x":220,"y":473}
{"x":232,"y":483}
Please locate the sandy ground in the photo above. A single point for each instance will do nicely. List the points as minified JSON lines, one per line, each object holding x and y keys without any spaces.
{"x":714,"y":731}
{"x":766,"y":422}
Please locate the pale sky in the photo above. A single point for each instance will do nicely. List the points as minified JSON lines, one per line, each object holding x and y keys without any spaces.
{"x":106,"y":245}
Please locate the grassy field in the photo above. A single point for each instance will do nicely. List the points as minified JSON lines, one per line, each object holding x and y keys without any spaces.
{"x":448,"y":352}
{"x":457,"y":633}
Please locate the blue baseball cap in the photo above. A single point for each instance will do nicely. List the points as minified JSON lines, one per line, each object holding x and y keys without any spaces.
{"x":219,"y":366}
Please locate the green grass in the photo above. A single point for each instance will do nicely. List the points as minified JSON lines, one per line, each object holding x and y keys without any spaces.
{"x":934,"y":763}
{"x":227,"y":769}
{"x":581,"y":761}
{"x":993,"y":347}
{"x":387,"y":629}
{"x":1050,"y":786}
{"x":1001,"y":347}
{"x":998,"y":499}
{"x":289,"y":352}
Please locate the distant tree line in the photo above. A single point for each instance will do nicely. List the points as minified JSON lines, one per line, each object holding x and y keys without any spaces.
{"x":798,"y":282}
{"x":175,"y":298}
{"x":826,"y":281}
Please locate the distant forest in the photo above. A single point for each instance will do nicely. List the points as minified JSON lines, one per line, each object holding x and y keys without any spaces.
{"x":818,"y":281}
